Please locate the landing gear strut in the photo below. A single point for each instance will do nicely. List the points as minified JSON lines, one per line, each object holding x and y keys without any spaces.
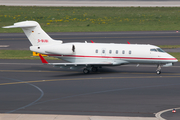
{"x":158,"y":71}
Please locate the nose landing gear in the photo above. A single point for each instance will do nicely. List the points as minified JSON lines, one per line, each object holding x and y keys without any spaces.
{"x":158,"y":71}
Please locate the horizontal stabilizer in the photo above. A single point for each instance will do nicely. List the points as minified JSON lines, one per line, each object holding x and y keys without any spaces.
{"x":36,"y":35}
{"x":24,"y":24}
{"x":19,"y":26}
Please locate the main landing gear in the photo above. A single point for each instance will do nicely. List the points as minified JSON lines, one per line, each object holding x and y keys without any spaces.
{"x":94,"y":69}
{"x":158,"y":71}
{"x":87,"y":70}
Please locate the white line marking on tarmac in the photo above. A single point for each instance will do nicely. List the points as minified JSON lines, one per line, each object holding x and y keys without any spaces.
{"x":21,"y":64}
{"x":42,"y":94}
{"x":4,"y":45}
{"x":158,"y":115}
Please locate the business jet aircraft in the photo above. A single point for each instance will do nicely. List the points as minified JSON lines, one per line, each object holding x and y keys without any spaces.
{"x":92,"y":56}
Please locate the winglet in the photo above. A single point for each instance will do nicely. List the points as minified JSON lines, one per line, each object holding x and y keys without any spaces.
{"x":92,"y":41}
{"x":128,"y":42}
{"x":42,"y":59}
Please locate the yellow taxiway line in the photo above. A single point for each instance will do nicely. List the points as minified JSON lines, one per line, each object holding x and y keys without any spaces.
{"x":96,"y":78}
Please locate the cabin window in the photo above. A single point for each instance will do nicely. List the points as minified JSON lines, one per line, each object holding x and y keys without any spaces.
{"x":153,"y":50}
{"x":123,"y":52}
{"x":103,"y":51}
{"x":160,"y":50}
{"x":116,"y":51}
{"x":130,"y":52}
{"x":96,"y":50}
{"x":110,"y":51}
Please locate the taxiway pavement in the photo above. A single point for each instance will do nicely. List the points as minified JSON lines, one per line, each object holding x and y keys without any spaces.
{"x":28,"y":87}
{"x":18,"y":41}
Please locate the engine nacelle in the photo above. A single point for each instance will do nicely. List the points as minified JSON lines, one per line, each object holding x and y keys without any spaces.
{"x":61,"y":49}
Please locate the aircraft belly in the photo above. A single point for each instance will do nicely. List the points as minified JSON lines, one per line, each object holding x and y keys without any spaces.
{"x":148,"y":61}
{"x":69,"y":59}
{"x":116,"y":61}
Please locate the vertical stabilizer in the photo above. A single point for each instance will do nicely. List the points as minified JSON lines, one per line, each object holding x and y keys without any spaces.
{"x":34,"y":32}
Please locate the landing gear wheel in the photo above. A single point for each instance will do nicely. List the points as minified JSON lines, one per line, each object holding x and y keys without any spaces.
{"x":158,"y":72}
{"x":94,"y":69}
{"x":85,"y":71}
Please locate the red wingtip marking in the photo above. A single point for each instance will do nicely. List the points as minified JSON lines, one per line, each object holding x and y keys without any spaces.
{"x":128,"y":42}
{"x":92,"y":41}
{"x":42,"y":59}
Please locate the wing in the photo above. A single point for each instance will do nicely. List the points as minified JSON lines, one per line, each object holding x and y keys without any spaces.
{"x":76,"y":64}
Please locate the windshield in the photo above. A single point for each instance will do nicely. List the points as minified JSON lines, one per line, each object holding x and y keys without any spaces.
{"x":160,"y":50}
{"x":153,"y":50}
{"x":157,"y":50}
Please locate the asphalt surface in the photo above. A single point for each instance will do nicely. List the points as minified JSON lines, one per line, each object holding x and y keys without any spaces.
{"x":27,"y":86}
{"x":19,"y":40}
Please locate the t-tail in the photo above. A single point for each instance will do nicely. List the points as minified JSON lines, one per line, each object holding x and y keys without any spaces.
{"x":34,"y":33}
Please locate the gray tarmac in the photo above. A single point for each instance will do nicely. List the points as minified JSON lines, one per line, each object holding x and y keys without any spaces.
{"x":29,"y":87}
{"x":18,"y":41}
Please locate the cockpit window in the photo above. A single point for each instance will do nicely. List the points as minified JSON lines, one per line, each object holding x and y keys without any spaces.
{"x":153,"y":50}
{"x":157,"y":50}
{"x":160,"y":50}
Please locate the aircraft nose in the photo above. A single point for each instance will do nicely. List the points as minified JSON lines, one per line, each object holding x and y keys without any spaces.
{"x":173,"y":59}
{"x":170,"y":58}
{"x":176,"y":60}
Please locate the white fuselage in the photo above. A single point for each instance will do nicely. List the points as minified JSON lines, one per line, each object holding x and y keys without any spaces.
{"x":91,"y":55}
{"x":101,"y":52}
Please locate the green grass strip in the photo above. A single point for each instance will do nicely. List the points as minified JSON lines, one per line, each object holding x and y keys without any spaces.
{"x":176,"y":55}
{"x":92,"y":19}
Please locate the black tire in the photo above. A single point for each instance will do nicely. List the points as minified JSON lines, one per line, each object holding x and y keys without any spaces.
{"x":158,"y":72}
{"x":85,"y":71}
{"x":94,"y":69}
